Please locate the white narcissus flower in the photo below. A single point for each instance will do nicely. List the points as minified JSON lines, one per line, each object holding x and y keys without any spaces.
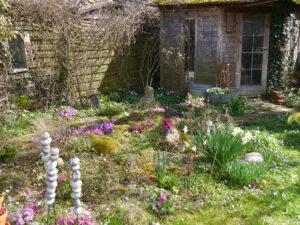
{"x":209,"y":123}
{"x":247,"y":137}
{"x":194,"y":149}
{"x":185,"y":129}
{"x":237,"y":131}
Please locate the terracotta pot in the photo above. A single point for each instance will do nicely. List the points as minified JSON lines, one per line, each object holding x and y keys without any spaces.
{"x":7,"y":223}
{"x":1,"y":200}
{"x":276,"y":93}
{"x":3,"y":217}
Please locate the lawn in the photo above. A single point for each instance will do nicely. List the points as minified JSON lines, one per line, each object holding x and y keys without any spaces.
{"x":171,"y":164}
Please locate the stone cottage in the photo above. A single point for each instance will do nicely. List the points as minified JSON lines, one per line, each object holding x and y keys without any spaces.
{"x":214,"y":33}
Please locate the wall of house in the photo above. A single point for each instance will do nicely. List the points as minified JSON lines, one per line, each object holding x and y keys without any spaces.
{"x":107,"y":79}
{"x":213,"y":45}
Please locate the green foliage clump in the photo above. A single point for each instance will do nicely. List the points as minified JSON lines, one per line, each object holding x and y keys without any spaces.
{"x":23,"y":102}
{"x":283,"y":42}
{"x":219,"y":143}
{"x":8,"y":153}
{"x":242,"y":173}
{"x":161,"y":162}
{"x":103,"y":144}
{"x":219,"y":91}
{"x":238,"y":106}
{"x":111,"y":110}
{"x":136,"y":116}
{"x":170,"y":181}
{"x":77,"y":145}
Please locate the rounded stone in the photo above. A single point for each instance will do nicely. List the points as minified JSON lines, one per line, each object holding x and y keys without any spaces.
{"x":254,"y":157}
{"x":52,"y":172}
{"x":76,"y":195}
{"x":51,"y":178}
{"x":75,"y":161}
{"x":46,"y":142}
{"x":51,"y":184}
{"x":76,"y":184}
{"x":77,"y":210}
{"x":51,"y":190}
{"x":50,"y":196}
{"x":45,"y":135}
{"x":51,"y":165}
{"x":54,"y":151}
{"x":45,"y":158}
{"x":53,"y":157}
{"x":76,"y":190}
{"x":77,"y":167}
{"x":60,"y":162}
{"x":76,"y":175}
{"x":49,"y":202}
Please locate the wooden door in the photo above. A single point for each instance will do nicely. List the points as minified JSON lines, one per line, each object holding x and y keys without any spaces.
{"x":207,"y":47}
{"x":254,"y":54}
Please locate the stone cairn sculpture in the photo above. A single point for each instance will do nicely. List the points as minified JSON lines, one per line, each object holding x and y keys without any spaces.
{"x":76,"y":186}
{"x":49,"y":157}
{"x":148,"y":101}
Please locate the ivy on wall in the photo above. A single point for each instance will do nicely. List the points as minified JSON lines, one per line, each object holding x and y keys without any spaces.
{"x":283,"y":42}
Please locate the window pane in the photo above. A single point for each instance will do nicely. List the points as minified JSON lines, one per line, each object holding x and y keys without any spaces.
{"x":257,"y":60}
{"x":246,"y":77}
{"x":246,"y":61}
{"x":258,"y":44}
{"x":256,"y":76}
{"x":17,"y":49}
{"x":248,"y":26}
{"x":259,"y":26}
{"x":247,"y":43}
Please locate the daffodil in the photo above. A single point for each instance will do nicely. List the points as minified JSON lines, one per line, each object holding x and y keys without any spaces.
{"x":185,"y":129}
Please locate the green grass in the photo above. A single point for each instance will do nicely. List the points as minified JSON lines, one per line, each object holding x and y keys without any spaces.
{"x":275,"y":202}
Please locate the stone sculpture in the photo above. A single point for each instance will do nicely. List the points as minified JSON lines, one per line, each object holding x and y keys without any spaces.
{"x":76,"y":185}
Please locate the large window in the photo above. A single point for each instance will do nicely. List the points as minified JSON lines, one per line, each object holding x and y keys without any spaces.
{"x":252,"y":50}
{"x":17,"y":49}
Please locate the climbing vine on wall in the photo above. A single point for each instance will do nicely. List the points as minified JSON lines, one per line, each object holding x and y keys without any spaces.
{"x":283,"y":41}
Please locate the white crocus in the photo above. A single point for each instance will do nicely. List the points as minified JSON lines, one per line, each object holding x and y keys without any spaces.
{"x":237,"y":131}
{"x":247,"y":137}
{"x":209,"y":123}
{"x":185,"y":129}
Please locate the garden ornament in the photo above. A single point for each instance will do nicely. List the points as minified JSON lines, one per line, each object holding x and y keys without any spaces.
{"x":76,"y":184}
{"x":49,"y":157}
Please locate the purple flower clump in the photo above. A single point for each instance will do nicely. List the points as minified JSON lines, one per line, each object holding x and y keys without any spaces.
{"x":83,"y":220}
{"x":167,"y":124}
{"x":69,"y":112}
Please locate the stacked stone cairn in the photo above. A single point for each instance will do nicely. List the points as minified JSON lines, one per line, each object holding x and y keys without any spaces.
{"x":49,"y":157}
{"x":76,"y":185}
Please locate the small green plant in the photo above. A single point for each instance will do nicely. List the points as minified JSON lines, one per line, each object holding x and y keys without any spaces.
{"x":111,"y":111}
{"x":162,"y":202}
{"x":77,"y":145}
{"x":170,"y":181}
{"x":242,"y":173}
{"x":219,"y":91}
{"x":161,"y":162}
{"x":219,"y":143}
{"x":23,"y":102}
{"x":8,"y":153}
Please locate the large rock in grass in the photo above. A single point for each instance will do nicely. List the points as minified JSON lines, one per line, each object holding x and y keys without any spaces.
{"x":254,"y":157}
{"x":104,"y":144}
{"x":175,"y":140}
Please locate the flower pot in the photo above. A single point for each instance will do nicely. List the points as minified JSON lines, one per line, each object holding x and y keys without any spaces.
{"x":1,"y":200}
{"x":223,"y":98}
{"x":277,"y":97}
{"x":198,"y":90}
{"x":7,"y":223}
{"x":3,"y":216}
